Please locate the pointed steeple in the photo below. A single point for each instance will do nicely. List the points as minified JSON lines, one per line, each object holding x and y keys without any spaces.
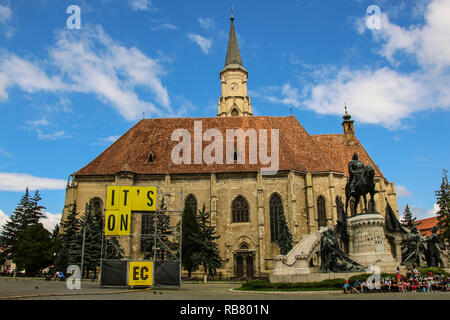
{"x":234,"y":100}
{"x":233,"y":55}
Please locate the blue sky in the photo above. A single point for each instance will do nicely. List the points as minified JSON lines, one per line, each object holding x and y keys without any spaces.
{"x":66,"y":95}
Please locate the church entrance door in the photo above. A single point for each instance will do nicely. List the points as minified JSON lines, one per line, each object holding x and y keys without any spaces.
{"x":249,"y":263}
{"x":239,"y":266}
{"x":244,"y":267}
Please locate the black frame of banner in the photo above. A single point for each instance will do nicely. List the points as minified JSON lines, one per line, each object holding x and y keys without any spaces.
{"x":166,"y":271}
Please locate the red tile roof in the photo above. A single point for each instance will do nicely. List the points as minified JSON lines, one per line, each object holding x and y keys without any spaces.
{"x":424,"y":226}
{"x":297,"y":149}
{"x":338,"y":152}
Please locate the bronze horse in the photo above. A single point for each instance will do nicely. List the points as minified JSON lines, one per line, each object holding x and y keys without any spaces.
{"x":363,"y":185}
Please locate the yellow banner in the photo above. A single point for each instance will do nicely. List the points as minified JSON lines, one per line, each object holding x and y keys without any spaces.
{"x":117,"y":223}
{"x":120,"y":201}
{"x":131,"y":198}
{"x":140,"y":273}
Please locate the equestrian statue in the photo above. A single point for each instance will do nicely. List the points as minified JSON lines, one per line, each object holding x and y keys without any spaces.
{"x":359,"y":184}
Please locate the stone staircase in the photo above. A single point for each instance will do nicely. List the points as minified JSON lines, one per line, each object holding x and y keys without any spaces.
{"x":302,"y":259}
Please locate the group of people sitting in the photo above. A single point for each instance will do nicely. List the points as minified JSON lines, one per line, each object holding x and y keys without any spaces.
{"x":414,"y":282}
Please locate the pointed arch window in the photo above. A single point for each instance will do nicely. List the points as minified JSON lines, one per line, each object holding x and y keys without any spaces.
{"x":150,"y":157}
{"x":97,"y":206}
{"x":321,"y":211}
{"x":192,"y":202}
{"x":234,"y":112}
{"x":276,"y":209}
{"x":239,"y":210}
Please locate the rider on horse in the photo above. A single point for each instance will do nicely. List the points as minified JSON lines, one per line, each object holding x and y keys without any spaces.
{"x":355,"y":170}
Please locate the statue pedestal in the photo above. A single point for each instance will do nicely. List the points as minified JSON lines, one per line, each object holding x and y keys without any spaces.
{"x":368,"y":244}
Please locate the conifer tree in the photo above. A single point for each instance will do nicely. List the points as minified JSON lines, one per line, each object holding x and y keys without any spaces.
{"x":190,"y":228}
{"x":36,"y":209}
{"x":18,"y":220}
{"x":285,"y":237}
{"x":57,"y":243}
{"x":408,"y":220}
{"x":27,"y":213}
{"x":70,"y":228}
{"x":207,"y":253}
{"x":34,"y":249}
{"x":163,"y":231}
{"x":443,"y":201}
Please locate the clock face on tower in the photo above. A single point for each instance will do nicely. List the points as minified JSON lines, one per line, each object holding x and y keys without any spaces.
{"x":234,"y":86}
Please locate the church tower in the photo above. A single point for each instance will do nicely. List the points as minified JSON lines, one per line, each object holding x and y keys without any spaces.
{"x":234,"y":100}
{"x":347,"y":124}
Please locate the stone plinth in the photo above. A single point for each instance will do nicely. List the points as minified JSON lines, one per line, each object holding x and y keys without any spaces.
{"x":368,"y":244}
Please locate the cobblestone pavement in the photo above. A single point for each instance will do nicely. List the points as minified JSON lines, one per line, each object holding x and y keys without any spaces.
{"x":38,"y":289}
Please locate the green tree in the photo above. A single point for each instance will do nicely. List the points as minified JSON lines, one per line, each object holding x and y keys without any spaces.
{"x":36,"y":210}
{"x":69,"y":231}
{"x":57,"y":242}
{"x":34,"y":249}
{"x":408,"y":220}
{"x":18,"y":220}
{"x":91,"y":226}
{"x":190,"y":228}
{"x":443,"y":201}
{"x":284,"y":237}
{"x":207,"y":253}
{"x":166,"y":245}
{"x":27,"y":213}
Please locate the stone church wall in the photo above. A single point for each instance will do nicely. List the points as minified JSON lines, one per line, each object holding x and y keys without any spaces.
{"x":299,"y":193}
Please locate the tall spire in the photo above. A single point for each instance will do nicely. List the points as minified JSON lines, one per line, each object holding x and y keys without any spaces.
{"x":233,"y":55}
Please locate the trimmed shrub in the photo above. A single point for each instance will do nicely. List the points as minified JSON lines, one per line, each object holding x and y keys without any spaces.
{"x":425,"y":272}
{"x":364,"y":276}
{"x":265,"y":284}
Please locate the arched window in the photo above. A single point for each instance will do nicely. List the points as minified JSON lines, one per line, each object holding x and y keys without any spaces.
{"x":151,"y":157}
{"x":239,"y":209}
{"x":192,"y":202}
{"x":97,"y":206}
{"x":276,"y":209}
{"x":321,"y":212}
{"x":234,"y":112}
{"x":243,"y":246}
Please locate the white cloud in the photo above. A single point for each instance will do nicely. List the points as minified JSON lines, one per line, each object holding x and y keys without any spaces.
{"x":429,"y":43}
{"x":50,"y":220}
{"x":90,"y":61}
{"x":36,"y":125}
{"x":164,"y":26}
{"x":5,"y":153}
{"x":204,"y":43}
{"x":433,"y":211}
{"x":421,"y":213}
{"x":51,"y":136}
{"x":105,"y":141}
{"x":5,"y":13}
{"x":20,"y":181}
{"x":141,"y":5}
{"x":206,"y":23}
{"x":3,"y":219}
{"x":93,"y":62}
{"x":40,"y":122}
{"x":402,"y":191}
{"x":386,"y":96}
{"x":28,"y":76}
